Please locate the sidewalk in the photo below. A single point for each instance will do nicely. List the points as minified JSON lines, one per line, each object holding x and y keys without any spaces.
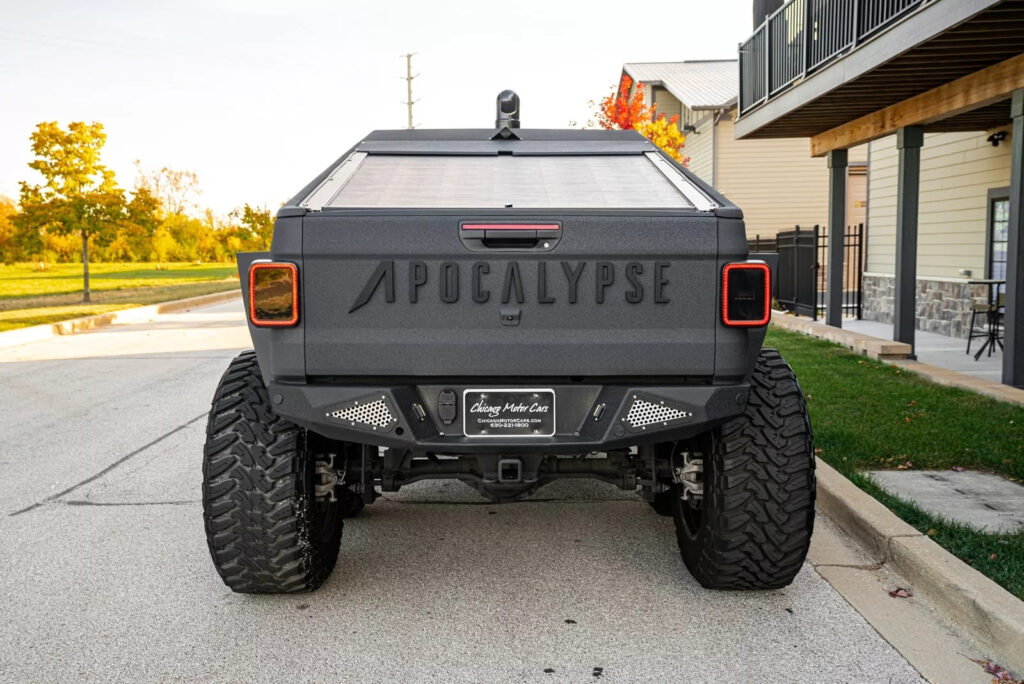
{"x":939,"y":350}
{"x":940,"y":359}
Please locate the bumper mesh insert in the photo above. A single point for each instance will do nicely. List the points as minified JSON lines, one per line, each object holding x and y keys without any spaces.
{"x":643,"y":413}
{"x":373,"y":413}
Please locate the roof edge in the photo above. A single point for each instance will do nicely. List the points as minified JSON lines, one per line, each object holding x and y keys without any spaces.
{"x":661,"y":84}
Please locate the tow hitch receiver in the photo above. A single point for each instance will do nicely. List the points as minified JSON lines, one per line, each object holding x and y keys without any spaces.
{"x":510,"y":470}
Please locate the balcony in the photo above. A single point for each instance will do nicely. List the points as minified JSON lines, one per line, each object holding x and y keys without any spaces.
{"x":814,"y":65}
{"x":802,"y":36}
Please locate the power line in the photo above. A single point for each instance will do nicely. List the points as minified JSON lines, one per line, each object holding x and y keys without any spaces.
{"x":409,"y":102}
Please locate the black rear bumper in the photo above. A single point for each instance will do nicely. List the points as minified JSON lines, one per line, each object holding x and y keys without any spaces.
{"x":591,"y":416}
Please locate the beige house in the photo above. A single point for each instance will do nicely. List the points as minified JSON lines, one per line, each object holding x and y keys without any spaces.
{"x":776,"y":183}
{"x":936,"y":87}
{"x":962,"y":216}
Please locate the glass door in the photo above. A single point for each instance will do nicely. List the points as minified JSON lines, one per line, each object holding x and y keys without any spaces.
{"x":999,"y":220}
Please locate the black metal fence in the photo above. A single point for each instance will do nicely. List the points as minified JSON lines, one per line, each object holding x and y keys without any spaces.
{"x":803,"y":35}
{"x":801,"y":279}
{"x":797,"y":274}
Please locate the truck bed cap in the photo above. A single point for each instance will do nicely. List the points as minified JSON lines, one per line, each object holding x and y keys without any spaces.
{"x":525,"y":169}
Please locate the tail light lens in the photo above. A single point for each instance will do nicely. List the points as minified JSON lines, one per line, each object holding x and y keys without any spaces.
{"x":273,"y":294}
{"x":746,"y":294}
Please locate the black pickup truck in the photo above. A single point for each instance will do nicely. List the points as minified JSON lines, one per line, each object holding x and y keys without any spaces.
{"x":507,"y":307}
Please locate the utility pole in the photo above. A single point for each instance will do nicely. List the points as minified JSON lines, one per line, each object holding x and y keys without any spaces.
{"x":408,"y":85}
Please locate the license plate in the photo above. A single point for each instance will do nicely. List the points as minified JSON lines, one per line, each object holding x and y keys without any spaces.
{"x":508,"y":412}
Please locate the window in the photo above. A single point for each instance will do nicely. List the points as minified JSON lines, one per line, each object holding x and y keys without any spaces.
{"x":999,"y":223}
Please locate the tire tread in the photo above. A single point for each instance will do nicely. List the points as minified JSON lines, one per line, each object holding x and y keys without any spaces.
{"x":256,"y":505}
{"x":760,"y":510}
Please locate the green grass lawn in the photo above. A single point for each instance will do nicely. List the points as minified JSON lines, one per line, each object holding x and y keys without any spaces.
{"x":868,"y":415}
{"x":31,"y":297}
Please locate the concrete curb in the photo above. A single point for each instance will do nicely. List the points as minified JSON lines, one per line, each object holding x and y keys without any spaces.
{"x":873,"y":347}
{"x":139,"y":314}
{"x":989,"y":613}
{"x":944,"y":376}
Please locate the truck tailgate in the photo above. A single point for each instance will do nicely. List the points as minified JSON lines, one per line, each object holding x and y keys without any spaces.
{"x":401,"y":294}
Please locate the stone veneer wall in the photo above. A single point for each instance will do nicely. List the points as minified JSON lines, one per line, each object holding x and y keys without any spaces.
{"x":943,"y":306}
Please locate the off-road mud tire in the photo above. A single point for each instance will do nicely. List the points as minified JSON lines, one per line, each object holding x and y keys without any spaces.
{"x":757,"y":515}
{"x":266,"y":530}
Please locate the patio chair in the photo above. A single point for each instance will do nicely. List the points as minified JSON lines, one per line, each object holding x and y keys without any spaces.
{"x":987,"y":311}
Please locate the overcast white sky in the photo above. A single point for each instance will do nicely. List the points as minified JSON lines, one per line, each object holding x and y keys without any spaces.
{"x":257,"y":97}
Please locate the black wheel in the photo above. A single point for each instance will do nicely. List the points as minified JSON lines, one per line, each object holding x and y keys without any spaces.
{"x":752,"y":527}
{"x":663,"y":503}
{"x":350,"y":502}
{"x":267,"y":531}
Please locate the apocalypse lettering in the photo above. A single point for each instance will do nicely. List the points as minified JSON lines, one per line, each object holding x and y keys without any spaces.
{"x":548,"y":282}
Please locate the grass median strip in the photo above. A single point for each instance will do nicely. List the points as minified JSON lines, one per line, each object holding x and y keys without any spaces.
{"x":869,"y":415}
{"x":31,"y":297}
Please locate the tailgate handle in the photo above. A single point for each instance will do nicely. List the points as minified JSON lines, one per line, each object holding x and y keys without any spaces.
{"x":501,"y":239}
{"x":514,"y":236}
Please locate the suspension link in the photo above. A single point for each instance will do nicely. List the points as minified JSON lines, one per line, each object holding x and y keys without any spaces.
{"x":690,"y":476}
{"x":327,"y":479}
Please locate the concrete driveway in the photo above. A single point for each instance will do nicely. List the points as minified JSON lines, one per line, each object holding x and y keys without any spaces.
{"x":104,"y":571}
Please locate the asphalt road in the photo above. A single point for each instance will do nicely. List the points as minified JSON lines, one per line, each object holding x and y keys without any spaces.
{"x":104,"y":572}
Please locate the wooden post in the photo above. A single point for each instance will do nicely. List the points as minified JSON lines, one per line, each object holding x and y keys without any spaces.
{"x":908,"y":141}
{"x":836,"y":237}
{"x":1013,"y":349}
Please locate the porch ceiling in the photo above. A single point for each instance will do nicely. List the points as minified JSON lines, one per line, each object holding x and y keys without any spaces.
{"x":993,"y":35}
{"x":980,"y":119}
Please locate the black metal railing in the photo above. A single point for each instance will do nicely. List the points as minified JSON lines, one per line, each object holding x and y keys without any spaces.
{"x":763,"y":244}
{"x":752,"y":89}
{"x":853,"y":270}
{"x":802,"y":36}
{"x":785,"y":32}
{"x":801,"y":278}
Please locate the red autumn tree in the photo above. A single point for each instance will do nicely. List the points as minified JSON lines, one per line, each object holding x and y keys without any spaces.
{"x":619,"y":111}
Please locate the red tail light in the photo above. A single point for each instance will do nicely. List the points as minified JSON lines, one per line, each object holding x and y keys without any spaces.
{"x":273,"y":294}
{"x":746,"y":294}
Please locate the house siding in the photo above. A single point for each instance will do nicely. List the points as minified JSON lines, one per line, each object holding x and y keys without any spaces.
{"x":775,"y":181}
{"x":957,"y":171}
{"x":700,"y":149}
{"x":667,"y":103}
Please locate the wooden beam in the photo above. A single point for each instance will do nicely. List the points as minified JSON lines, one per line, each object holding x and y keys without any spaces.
{"x":972,"y":91}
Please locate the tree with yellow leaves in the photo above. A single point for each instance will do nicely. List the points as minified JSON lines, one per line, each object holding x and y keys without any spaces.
{"x":619,"y":111}
{"x":78,"y":195}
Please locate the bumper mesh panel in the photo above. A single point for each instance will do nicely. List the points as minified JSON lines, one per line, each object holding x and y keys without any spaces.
{"x":643,"y":413}
{"x":371,"y":413}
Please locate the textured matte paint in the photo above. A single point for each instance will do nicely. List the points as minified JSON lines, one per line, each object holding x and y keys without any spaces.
{"x":577,"y":431}
{"x":393,"y":300}
{"x":361,"y":320}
